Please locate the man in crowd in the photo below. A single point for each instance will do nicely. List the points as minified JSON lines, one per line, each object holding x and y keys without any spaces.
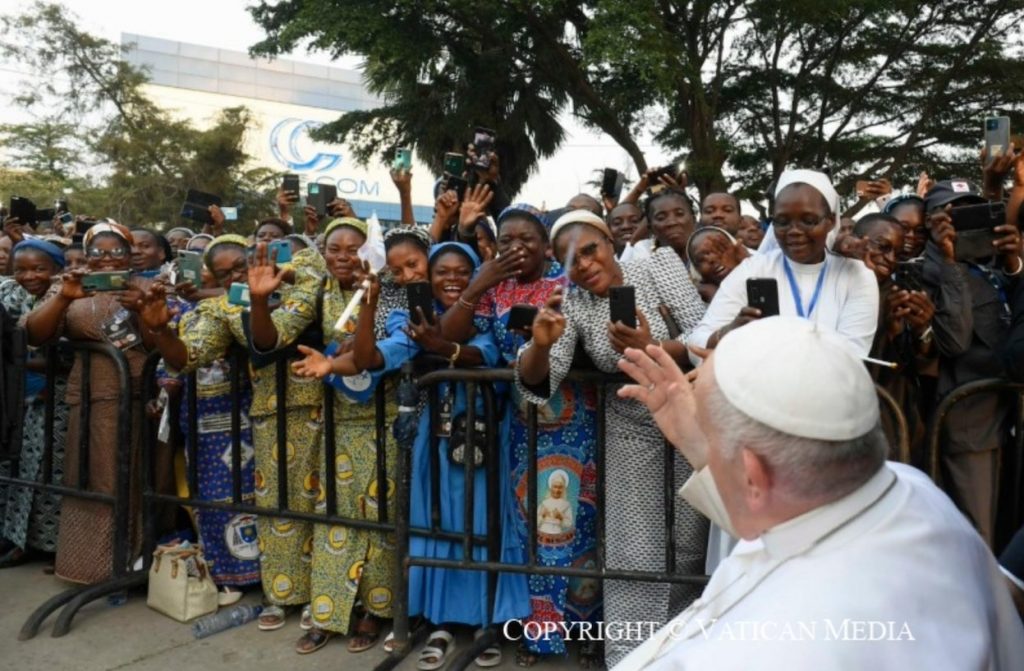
{"x":837,"y":563}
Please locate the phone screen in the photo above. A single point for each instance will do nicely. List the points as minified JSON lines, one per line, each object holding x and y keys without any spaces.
{"x":997,"y":136}
{"x":622,"y":305}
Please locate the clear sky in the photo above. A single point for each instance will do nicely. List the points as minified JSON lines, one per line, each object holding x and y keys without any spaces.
{"x":227,"y":24}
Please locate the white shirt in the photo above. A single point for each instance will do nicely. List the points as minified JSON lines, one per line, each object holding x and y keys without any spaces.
{"x":847,"y":586}
{"x":848,"y":302}
{"x":641,"y":250}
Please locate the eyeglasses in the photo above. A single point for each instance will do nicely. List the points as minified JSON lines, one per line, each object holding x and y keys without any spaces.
{"x":882,"y":246}
{"x":116,"y":253}
{"x":806,"y":223}
{"x":240,"y":267}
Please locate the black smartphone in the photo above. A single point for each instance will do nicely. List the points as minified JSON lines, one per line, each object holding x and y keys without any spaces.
{"x":202,"y":198}
{"x":763,"y":294}
{"x":24,"y":209}
{"x":908,"y":276}
{"x":456,"y":184}
{"x":483,"y":143}
{"x":454,"y":164}
{"x":664,"y":171}
{"x":61,"y":205}
{"x":290,"y":182}
{"x":84,"y":225}
{"x":622,"y":303}
{"x":196,"y":212}
{"x":420,"y":296}
{"x":520,"y":317}
{"x":46,"y":215}
{"x":318,"y":195}
{"x":975,"y":226}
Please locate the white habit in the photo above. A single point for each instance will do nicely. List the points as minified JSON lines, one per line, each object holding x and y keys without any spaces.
{"x":847,"y":586}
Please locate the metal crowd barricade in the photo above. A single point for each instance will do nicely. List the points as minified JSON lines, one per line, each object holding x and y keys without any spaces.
{"x":1009,"y":476}
{"x":122,"y":578}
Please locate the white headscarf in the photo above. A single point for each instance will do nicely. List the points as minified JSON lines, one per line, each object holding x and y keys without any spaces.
{"x":818,"y":181}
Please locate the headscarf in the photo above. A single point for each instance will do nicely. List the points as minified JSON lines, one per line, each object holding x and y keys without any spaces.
{"x":699,"y":233}
{"x":487,"y":224}
{"x":524,"y":210}
{"x":558,"y":474}
{"x":227,"y":239}
{"x":579,"y":217}
{"x":48,"y":248}
{"x":414,"y":233}
{"x":302,"y":239}
{"x":181,"y":229}
{"x":818,"y":181}
{"x":460,"y":247}
{"x":198,"y":236}
{"x":351,"y":222}
{"x":901,"y":199}
{"x":117,"y":229}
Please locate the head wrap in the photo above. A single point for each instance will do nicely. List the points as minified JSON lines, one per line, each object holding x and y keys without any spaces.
{"x":558,"y":474}
{"x":524,"y":210}
{"x":488,"y":226}
{"x":414,"y":233}
{"x":302,"y":239}
{"x":775,"y":391}
{"x":228,"y":239}
{"x":579,"y":217}
{"x":697,"y":234}
{"x":896,"y":201}
{"x":48,"y":248}
{"x":198,"y":236}
{"x":351,"y":222}
{"x":818,"y":181}
{"x":114,"y":228}
{"x":181,"y":229}
{"x":459,"y":247}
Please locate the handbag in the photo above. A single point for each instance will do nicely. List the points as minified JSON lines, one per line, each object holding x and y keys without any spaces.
{"x":180,"y":585}
{"x":458,"y":442}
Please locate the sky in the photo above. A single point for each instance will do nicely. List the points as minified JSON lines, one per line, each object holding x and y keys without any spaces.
{"x":226,"y":24}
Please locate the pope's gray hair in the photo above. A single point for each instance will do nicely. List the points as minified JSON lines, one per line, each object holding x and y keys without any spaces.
{"x":804,"y":468}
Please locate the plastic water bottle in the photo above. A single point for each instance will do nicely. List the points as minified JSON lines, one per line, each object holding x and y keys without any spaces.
{"x":117,"y":599}
{"x":225,"y":619}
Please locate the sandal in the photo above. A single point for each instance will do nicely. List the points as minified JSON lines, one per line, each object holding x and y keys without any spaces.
{"x":389,"y":643}
{"x":491,"y":656}
{"x":271,"y":618}
{"x":312,"y":640}
{"x":525,"y":657}
{"x":306,"y":619}
{"x":591,"y":655}
{"x":436,"y":651}
{"x":367,"y":631}
{"x":227,"y":595}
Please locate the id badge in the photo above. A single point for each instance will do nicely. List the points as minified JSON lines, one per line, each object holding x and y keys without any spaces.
{"x":120,"y":332}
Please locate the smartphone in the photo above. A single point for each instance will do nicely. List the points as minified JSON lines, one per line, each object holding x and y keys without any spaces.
{"x":84,"y":225}
{"x":483,"y":143}
{"x":908,"y":276}
{"x":975,"y":226}
{"x":454,"y":164}
{"x":61,"y":205}
{"x":230,"y":213}
{"x":46,"y":215}
{"x":290,"y":182}
{"x":319,"y":195}
{"x":622,"y":302}
{"x":420,"y":296}
{"x":24,"y":209}
{"x":456,"y":184}
{"x":202,"y":198}
{"x":520,"y":317}
{"x":190,"y":267}
{"x":283,"y":249}
{"x":66,"y":219}
{"x":110,"y":281}
{"x":997,"y":136}
{"x":611,"y":183}
{"x":664,"y":171}
{"x":763,"y":294}
{"x":238,"y":294}
{"x":403,"y":159}
{"x":196,"y":212}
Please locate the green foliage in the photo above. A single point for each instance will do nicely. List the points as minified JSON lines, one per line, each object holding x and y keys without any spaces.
{"x":103,"y":139}
{"x":742,"y":88}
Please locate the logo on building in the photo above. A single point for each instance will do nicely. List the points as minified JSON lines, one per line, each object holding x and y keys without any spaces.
{"x":290,"y":144}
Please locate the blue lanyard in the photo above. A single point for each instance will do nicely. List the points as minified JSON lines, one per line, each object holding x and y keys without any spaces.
{"x":796,"y":290}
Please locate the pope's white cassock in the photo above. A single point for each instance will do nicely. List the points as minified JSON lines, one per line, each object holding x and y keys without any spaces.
{"x":891,"y":576}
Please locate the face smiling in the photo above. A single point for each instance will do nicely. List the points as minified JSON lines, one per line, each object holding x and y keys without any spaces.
{"x":449,"y":277}
{"x":342,"y":254}
{"x":802,"y":222}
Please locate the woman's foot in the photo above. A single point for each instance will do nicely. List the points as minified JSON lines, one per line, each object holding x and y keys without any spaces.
{"x":271,"y":618}
{"x":312,"y":640}
{"x":525,"y":657}
{"x":306,"y":619}
{"x":435,"y":653}
{"x":367,"y":631}
{"x":491,"y":656}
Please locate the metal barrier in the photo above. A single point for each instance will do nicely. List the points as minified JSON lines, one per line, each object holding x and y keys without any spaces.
{"x":73,"y":599}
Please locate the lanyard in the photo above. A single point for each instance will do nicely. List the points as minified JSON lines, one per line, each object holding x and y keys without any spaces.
{"x":796,"y":290}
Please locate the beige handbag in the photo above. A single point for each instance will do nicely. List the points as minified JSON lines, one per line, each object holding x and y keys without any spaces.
{"x":173,"y":591}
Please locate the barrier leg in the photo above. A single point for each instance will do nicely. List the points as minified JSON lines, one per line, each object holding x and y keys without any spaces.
{"x":39,"y":615}
{"x":63,"y":624}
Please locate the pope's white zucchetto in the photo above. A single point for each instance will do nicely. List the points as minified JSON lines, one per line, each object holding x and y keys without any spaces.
{"x":797,"y":378}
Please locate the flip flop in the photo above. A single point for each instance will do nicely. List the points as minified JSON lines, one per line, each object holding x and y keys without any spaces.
{"x":432,"y":656}
{"x":271,"y":618}
{"x":312,"y":640}
{"x":491,"y":656}
{"x":389,"y":643}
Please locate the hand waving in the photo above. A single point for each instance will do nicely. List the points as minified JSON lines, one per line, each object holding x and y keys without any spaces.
{"x":264,"y":276}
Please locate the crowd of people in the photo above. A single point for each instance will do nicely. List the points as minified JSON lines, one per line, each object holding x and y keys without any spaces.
{"x":921,"y":310}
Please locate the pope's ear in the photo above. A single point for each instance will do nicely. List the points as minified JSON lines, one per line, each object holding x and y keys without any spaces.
{"x":757,"y":478}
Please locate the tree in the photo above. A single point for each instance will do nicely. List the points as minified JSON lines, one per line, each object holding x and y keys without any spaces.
{"x":743,"y":88}
{"x":105,"y":139}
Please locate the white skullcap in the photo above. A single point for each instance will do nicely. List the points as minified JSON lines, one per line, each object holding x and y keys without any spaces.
{"x":579,"y":217}
{"x":797,"y":378}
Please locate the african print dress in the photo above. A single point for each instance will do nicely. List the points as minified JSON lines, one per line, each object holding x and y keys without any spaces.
{"x":229,"y":540}
{"x":30,"y":518}
{"x":635,"y":525}
{"x":566,"y":436}
{"x":285,"y":546}
{"x":349,"y":564}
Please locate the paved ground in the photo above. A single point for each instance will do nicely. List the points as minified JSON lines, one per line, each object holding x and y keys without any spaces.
{"x":133,"y":637}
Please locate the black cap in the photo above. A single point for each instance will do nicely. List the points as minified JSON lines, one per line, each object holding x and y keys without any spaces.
{"x":948,"y":191}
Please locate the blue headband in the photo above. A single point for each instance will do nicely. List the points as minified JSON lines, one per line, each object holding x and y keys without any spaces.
{"x":460,"y":247}
{"x":53,"y":251}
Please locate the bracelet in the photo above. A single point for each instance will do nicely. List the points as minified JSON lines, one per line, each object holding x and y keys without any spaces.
{"x":455,"y":356}
{"x":1020,"y":267}
{"x":466,"y":304}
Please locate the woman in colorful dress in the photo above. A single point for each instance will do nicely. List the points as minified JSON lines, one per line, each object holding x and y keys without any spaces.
{"x":30,"y":520}
{"x":204,"y":336}
{"x":566,"y":435}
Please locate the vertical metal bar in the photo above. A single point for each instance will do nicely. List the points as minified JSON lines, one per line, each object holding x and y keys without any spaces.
{"x":236,"y":362}
{"x":493,"y":500}
{"x":434,"y":461}
{"x":281,"y":388}
{"x":125,"y":463}
{"x":531,"y":483}
{"x":469,"y":472}
{"x":403,"y":466}
{"x":330,"y":468}
{"x":84,"y":413}
{"x":49,"y":410}
{"x":149,"y":448}
{"x":600,"y":465}
{"x":380,"y":399}
{"x":669,"y":489}
{"x":192,"y":446}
